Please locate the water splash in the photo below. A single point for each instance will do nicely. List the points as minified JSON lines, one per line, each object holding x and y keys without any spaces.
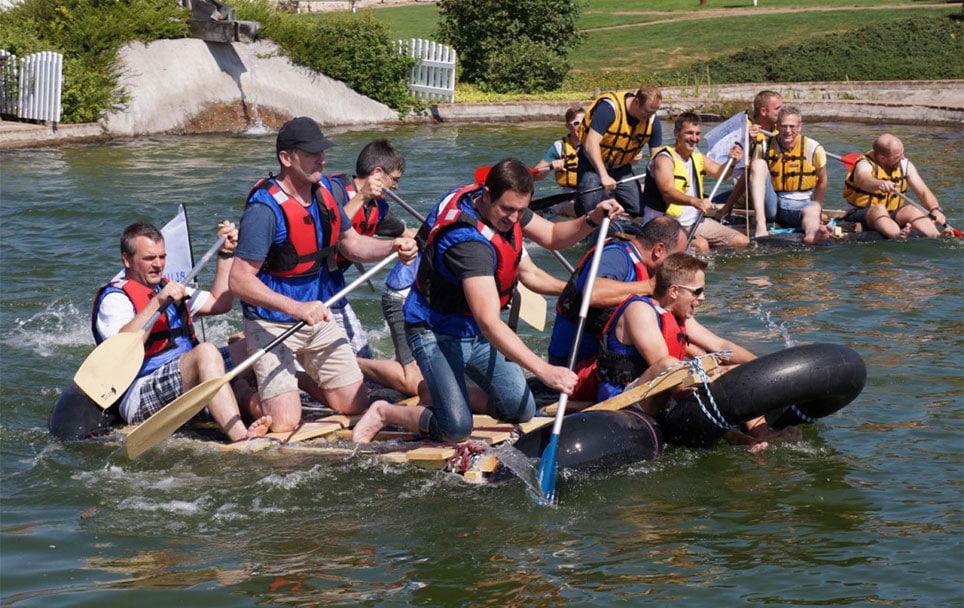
{"x":772,"y":325}
{"x":523,"y":467}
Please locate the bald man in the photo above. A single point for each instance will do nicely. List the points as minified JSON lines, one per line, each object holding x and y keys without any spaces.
{"x":871,"y":192}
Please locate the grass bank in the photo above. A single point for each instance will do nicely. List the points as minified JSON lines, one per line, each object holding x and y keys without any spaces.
{"x":674,"y":43}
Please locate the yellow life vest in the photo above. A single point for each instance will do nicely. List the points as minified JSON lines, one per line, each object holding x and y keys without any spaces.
{"x":620,"y":143}
{"x":680,"y":178}
{"x":860,"y":198}
{"x":793,"y":170}
{"x":570,"y":156}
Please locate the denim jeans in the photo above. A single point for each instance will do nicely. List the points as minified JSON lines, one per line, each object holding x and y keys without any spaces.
{"x":628,"y":194}
{"x":445,"y":362}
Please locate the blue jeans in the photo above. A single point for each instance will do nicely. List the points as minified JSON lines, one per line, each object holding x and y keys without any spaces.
{"x":445,"y":362}
{"x":628,"y":194}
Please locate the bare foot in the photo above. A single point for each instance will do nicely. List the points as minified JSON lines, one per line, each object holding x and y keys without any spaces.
{"x":370,"y":423}
{"x":904,"y":232}
{"x":822,"y":234}
{"x":759,"y":234}
{"x":258,"y":428}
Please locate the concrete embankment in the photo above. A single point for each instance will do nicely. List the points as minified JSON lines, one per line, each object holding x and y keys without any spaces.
{"x":190,"y":86}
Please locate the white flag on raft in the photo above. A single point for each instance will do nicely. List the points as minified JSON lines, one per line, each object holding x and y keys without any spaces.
{"x":734,"y":130}
{"x":177,"y":243}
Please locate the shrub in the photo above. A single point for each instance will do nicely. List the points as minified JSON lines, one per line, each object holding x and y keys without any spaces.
{"x":544,"y":31}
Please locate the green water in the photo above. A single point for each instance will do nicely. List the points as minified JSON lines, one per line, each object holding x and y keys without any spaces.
{"x":866,"y":511}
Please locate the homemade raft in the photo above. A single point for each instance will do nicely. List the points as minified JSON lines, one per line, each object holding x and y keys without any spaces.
{"x":793,"y":386}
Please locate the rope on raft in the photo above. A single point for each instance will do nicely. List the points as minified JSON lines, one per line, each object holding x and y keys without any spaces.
{"x":711,"y":411}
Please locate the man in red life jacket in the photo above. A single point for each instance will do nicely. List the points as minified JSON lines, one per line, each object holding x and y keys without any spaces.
{"x":466,"y":274}
{"x":174,"y":361}
{"x":379,"y":165}
{"x":283,"y":272}
{"x":648,"y":334}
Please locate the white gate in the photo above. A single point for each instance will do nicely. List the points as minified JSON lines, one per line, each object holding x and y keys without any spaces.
{"x":433,"y":78}
{"x":30,"y":88}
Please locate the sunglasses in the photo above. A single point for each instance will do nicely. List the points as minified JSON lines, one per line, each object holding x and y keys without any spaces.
{"x":696,"y":291}
{"x":575,"y":123}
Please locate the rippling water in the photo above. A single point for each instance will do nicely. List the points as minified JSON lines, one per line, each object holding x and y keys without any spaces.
{"x":866,"y":511}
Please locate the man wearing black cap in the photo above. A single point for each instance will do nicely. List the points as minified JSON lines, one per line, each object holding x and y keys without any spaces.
{"x":285,"y":254}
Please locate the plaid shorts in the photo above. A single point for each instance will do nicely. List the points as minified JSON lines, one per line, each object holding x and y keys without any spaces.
{"x":149,"y":394}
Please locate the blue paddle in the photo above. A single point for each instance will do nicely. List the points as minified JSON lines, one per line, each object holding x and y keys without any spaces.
{"x":547,"y":464}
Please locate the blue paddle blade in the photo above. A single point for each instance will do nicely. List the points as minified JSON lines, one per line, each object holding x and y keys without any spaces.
{"x":547,"y":469}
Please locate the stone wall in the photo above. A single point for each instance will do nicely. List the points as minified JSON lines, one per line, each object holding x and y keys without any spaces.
{"x":324,"y":6}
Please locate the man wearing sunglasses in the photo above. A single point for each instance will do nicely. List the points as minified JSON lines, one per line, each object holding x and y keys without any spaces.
{"x":648,"y":334}
{"x":562,"y":157}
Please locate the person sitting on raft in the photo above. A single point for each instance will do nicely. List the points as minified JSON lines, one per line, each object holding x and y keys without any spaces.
{"x":562,"y":158}
{"x":674,"y":186}
{"x":872,"y":187}
{"x":466,"y":275}
{"x":648,"y":335}
{"x":174,"y":361}
{"x":627,"y":267}
{"x":788,"y":180}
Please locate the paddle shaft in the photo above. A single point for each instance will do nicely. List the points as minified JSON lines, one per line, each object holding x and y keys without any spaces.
{"x":548,"y":201}
{"x":699,"y":218}
{"x":159,"y":426}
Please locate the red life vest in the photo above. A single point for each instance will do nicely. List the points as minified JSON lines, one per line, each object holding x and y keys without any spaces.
{"x":300,"y":254}
{"x":162,"y":336}
{"x":620,"y":364}
{"x":442,"y":294}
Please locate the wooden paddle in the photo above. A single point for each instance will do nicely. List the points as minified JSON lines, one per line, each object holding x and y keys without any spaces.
{"x":173,"y":415}
{"x":110,"y":368}
{"x":547,"y":464}
{"x":548,"y":201}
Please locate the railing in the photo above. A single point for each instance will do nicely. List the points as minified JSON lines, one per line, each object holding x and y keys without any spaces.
{"x":30,"y":88}
{"x":433,"y":78}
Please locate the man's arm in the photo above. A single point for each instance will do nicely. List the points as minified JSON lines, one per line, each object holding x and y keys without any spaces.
{"x":244,"y":282}
{"x":662,"y":170}
{"x":821,"y":188}
{"x":483,"y":300}
{"x":561,"y":235}
{"x":360,"y":248}
{"x":537,"y":279}
{"x":705,"y":339}
{"x":924,"y":195}
{"x":221,"y":299}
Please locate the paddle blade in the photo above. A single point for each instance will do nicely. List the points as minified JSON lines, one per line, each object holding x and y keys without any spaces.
{"x":110,"y":369}
{"x":481,"y":173}
{"x":547,"y":469}
{"x":849,"y":160}
{"x":172,"y":416}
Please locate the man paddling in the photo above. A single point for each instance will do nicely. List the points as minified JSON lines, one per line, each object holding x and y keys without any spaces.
{"x":674,"y":186}
{"x":647,"y":335}
{"x":466,"y":276}
{"x":289,"y":229}
{"x":627,"y":267}
{"x":174,"y":361}
{"x":872,"y":188}
{"x":613,"y":134}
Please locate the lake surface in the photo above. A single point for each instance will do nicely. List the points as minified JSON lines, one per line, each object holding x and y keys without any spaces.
{"x":865,"y":511}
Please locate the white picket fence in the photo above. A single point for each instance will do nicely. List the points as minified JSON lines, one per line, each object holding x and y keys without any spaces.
{"x":433,"y":78}
{"x":30,"y":87}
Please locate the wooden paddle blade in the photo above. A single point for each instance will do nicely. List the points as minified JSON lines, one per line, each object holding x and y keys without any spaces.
{"x":172,"y":416}
{"x":110,"y":369}
{"x":532,"y":309}
{"x":681,"y":376}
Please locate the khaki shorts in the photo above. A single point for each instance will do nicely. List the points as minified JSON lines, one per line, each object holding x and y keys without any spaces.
{"x":716,"y":233}
{"x":322,"y":350}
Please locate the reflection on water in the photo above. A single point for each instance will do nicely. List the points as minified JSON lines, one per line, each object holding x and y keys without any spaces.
{"x":853,"y":515}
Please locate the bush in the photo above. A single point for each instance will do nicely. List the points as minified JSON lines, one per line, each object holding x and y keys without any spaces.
{"x":88,"y":33}
{"x":539,"y":31}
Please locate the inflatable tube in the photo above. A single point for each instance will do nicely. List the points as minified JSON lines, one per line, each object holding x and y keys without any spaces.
{"x":76,"y":416}
{"x":591,"y":441}
{"x":792,"y":386}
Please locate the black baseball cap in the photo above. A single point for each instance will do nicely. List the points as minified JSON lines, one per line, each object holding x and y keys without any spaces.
{"x":302,"y":133}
